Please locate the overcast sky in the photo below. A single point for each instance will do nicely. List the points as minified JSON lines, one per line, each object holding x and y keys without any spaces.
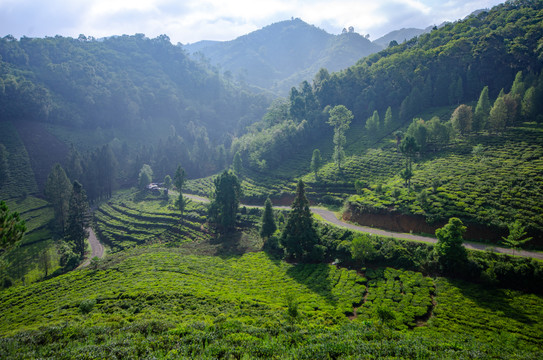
{"x":187,"y":21}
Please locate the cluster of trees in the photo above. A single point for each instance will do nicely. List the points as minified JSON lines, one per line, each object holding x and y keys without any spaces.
{"x":448,"y":66}
{"x":128,"y":82}
{"x":71,"y":215}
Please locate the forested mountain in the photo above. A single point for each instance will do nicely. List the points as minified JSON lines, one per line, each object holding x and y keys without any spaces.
{"x":418,"y":90}
{"x":130,"y":91}
{"x":445,"y":67}
{"x":284,"y":53}
{"x":124,"y":81}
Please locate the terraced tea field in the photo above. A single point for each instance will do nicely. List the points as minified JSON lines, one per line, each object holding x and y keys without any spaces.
{"x":128,"y":221}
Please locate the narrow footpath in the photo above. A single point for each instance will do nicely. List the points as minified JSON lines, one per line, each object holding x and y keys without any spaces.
{"x":96,"y":246}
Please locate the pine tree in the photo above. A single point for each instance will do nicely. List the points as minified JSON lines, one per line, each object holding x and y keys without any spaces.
{"x":12,"y":228}
{"x":179,"y":181}
{"x":58,"y":191}
{"x":78,"y":219}
{"x":387,"y":124}
{"x":224,"y":207}
{"x":299,"y":237}
{"x":482,"y":111}
{"x":372,"y":123}
{"x":268,"y":220}
{"x":498,"y":115}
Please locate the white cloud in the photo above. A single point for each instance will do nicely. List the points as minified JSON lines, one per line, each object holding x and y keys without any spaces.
{"x":193,"y":20}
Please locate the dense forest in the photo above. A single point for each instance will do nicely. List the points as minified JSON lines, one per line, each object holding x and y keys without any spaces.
{"x":130,"y":87}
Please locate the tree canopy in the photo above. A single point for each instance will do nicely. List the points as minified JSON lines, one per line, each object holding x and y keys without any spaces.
{"x":299,"y":237}
{"x":224,"y":206}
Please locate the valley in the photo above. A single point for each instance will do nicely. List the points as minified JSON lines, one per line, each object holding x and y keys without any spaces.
{"x":288,"y":194}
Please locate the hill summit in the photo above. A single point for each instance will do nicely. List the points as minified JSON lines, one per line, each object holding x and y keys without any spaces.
{"x":285,"y":53}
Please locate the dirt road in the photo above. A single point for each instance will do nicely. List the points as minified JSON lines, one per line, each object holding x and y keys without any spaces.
{"x":330,"y":217}
{"x":96,"y":246}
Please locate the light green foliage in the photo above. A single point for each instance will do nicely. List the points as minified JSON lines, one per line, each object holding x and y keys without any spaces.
{"x":462,"y":119}
{"x":482,"y":111}
{"x":517,"y":236}
{"x":498,"y":115}
{"x":340,"y":118}
{"x":387,"y":122}
{"x":237,"y":164}
{"x":316,"y":162}
{"x":373,"y":122}
{"x":145,"y":176}
{"x":168,"y":181}
{"x":529,"y":104}
{"x":419,"y":131}
{"x":362,"y":249}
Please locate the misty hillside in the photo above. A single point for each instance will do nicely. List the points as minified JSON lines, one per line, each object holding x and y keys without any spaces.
{"x":400,"y":36}
{"x":285,"y":53}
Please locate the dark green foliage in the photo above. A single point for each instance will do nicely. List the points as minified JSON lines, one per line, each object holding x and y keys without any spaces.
{"x":12,"y":228}
{"x":224,"y":206}
{"x":268,"y":220}
{"x":409,"y":147}
{"x":449,"y":249}
{"x":78,"y":219}
{"x":4,"y":166}
{"x":179,"y":181}
{"x":299,"y":237}
{"x":58,"y":191}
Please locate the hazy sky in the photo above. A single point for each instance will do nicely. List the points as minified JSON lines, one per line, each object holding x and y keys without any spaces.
{"x":188,"y":21}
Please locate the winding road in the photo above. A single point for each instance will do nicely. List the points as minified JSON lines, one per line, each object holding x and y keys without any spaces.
{"x":330,"y":217}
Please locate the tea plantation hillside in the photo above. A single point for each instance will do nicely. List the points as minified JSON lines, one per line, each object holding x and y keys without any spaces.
{"x":171,"y":303}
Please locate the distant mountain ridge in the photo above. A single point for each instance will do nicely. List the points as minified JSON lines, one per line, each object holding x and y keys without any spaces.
{"x":400,"y":36}
{"x":285,"y":53}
